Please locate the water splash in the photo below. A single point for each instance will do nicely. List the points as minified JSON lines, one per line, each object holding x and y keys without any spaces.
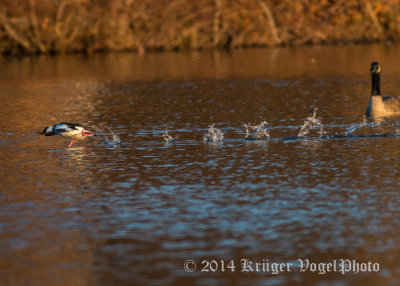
{"x":257,"y":132}
{"x":115,"y":140}
{"x":354,"y":127}
{"x":312,"y":123}
{"x":167,"y":138}
{"x":111,"y":138}
{"x":213,"y":134}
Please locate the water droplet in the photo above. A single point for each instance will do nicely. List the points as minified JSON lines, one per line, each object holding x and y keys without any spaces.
{"x":256,"y":132}
{"x":213,"y":134}
{"x":167,"y":138}
{"x":312,"y":122}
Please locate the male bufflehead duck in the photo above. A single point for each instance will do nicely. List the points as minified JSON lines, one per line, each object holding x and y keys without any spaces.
{"x":380,"y":106}
{"x":68,"y":130}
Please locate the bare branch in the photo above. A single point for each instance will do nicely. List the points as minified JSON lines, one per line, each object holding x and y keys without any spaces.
{"x":38,"y":40}
{"x":374,"y":19}
{"x":271,"y":21}
{"x":20,"y":39}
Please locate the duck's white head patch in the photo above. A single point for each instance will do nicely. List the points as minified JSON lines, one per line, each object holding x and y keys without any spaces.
{"x":49,"y":129}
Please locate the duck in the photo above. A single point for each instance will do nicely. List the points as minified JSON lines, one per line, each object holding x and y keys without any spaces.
{"x":380,"y":106}
{"x":73,"y":131}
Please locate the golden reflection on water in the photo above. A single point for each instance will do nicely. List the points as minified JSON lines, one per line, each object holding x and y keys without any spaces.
{"x":269,"y":63}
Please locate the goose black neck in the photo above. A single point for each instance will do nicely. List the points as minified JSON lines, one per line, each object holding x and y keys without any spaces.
{"x":376,"y":84}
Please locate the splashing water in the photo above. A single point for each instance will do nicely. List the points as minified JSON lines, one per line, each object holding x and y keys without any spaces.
{"x":312,"y":123}
{"x":116,"y":140}
{"x":167,"y":138}
{"x":354,"y":127}
{"x":259,"y":131}
{"x":213,"y":134}
{"x":364,"y":123}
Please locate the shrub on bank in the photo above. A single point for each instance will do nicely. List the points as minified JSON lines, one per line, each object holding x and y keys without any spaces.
{"x":60,"y":26}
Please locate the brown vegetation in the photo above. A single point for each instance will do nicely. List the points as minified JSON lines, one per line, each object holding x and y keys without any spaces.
{"x":58,"y":26}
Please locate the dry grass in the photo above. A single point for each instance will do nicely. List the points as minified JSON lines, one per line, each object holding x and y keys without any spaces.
{"x":60,"y":26}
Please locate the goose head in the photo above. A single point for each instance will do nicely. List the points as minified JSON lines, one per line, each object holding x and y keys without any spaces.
{"x":375,"y":68}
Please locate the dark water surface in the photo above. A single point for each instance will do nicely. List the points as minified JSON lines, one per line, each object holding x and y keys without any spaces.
{"x":101,"y":213}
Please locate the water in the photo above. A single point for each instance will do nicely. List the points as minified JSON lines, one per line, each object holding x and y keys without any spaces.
{"x":125,"y":208}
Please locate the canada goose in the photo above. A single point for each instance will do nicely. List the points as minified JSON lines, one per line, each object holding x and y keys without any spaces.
{"x":380,"y":106}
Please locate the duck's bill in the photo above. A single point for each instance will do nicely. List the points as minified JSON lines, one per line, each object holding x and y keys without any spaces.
{"x":87,"y":133}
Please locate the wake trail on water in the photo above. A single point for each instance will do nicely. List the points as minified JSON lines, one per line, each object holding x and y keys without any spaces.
{"x":312,"y":128}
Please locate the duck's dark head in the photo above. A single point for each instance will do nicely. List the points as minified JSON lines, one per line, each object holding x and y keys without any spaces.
{"x":375,"y":68}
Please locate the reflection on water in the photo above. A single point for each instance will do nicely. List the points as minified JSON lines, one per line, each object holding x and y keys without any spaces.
{"x":124,"y":208}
